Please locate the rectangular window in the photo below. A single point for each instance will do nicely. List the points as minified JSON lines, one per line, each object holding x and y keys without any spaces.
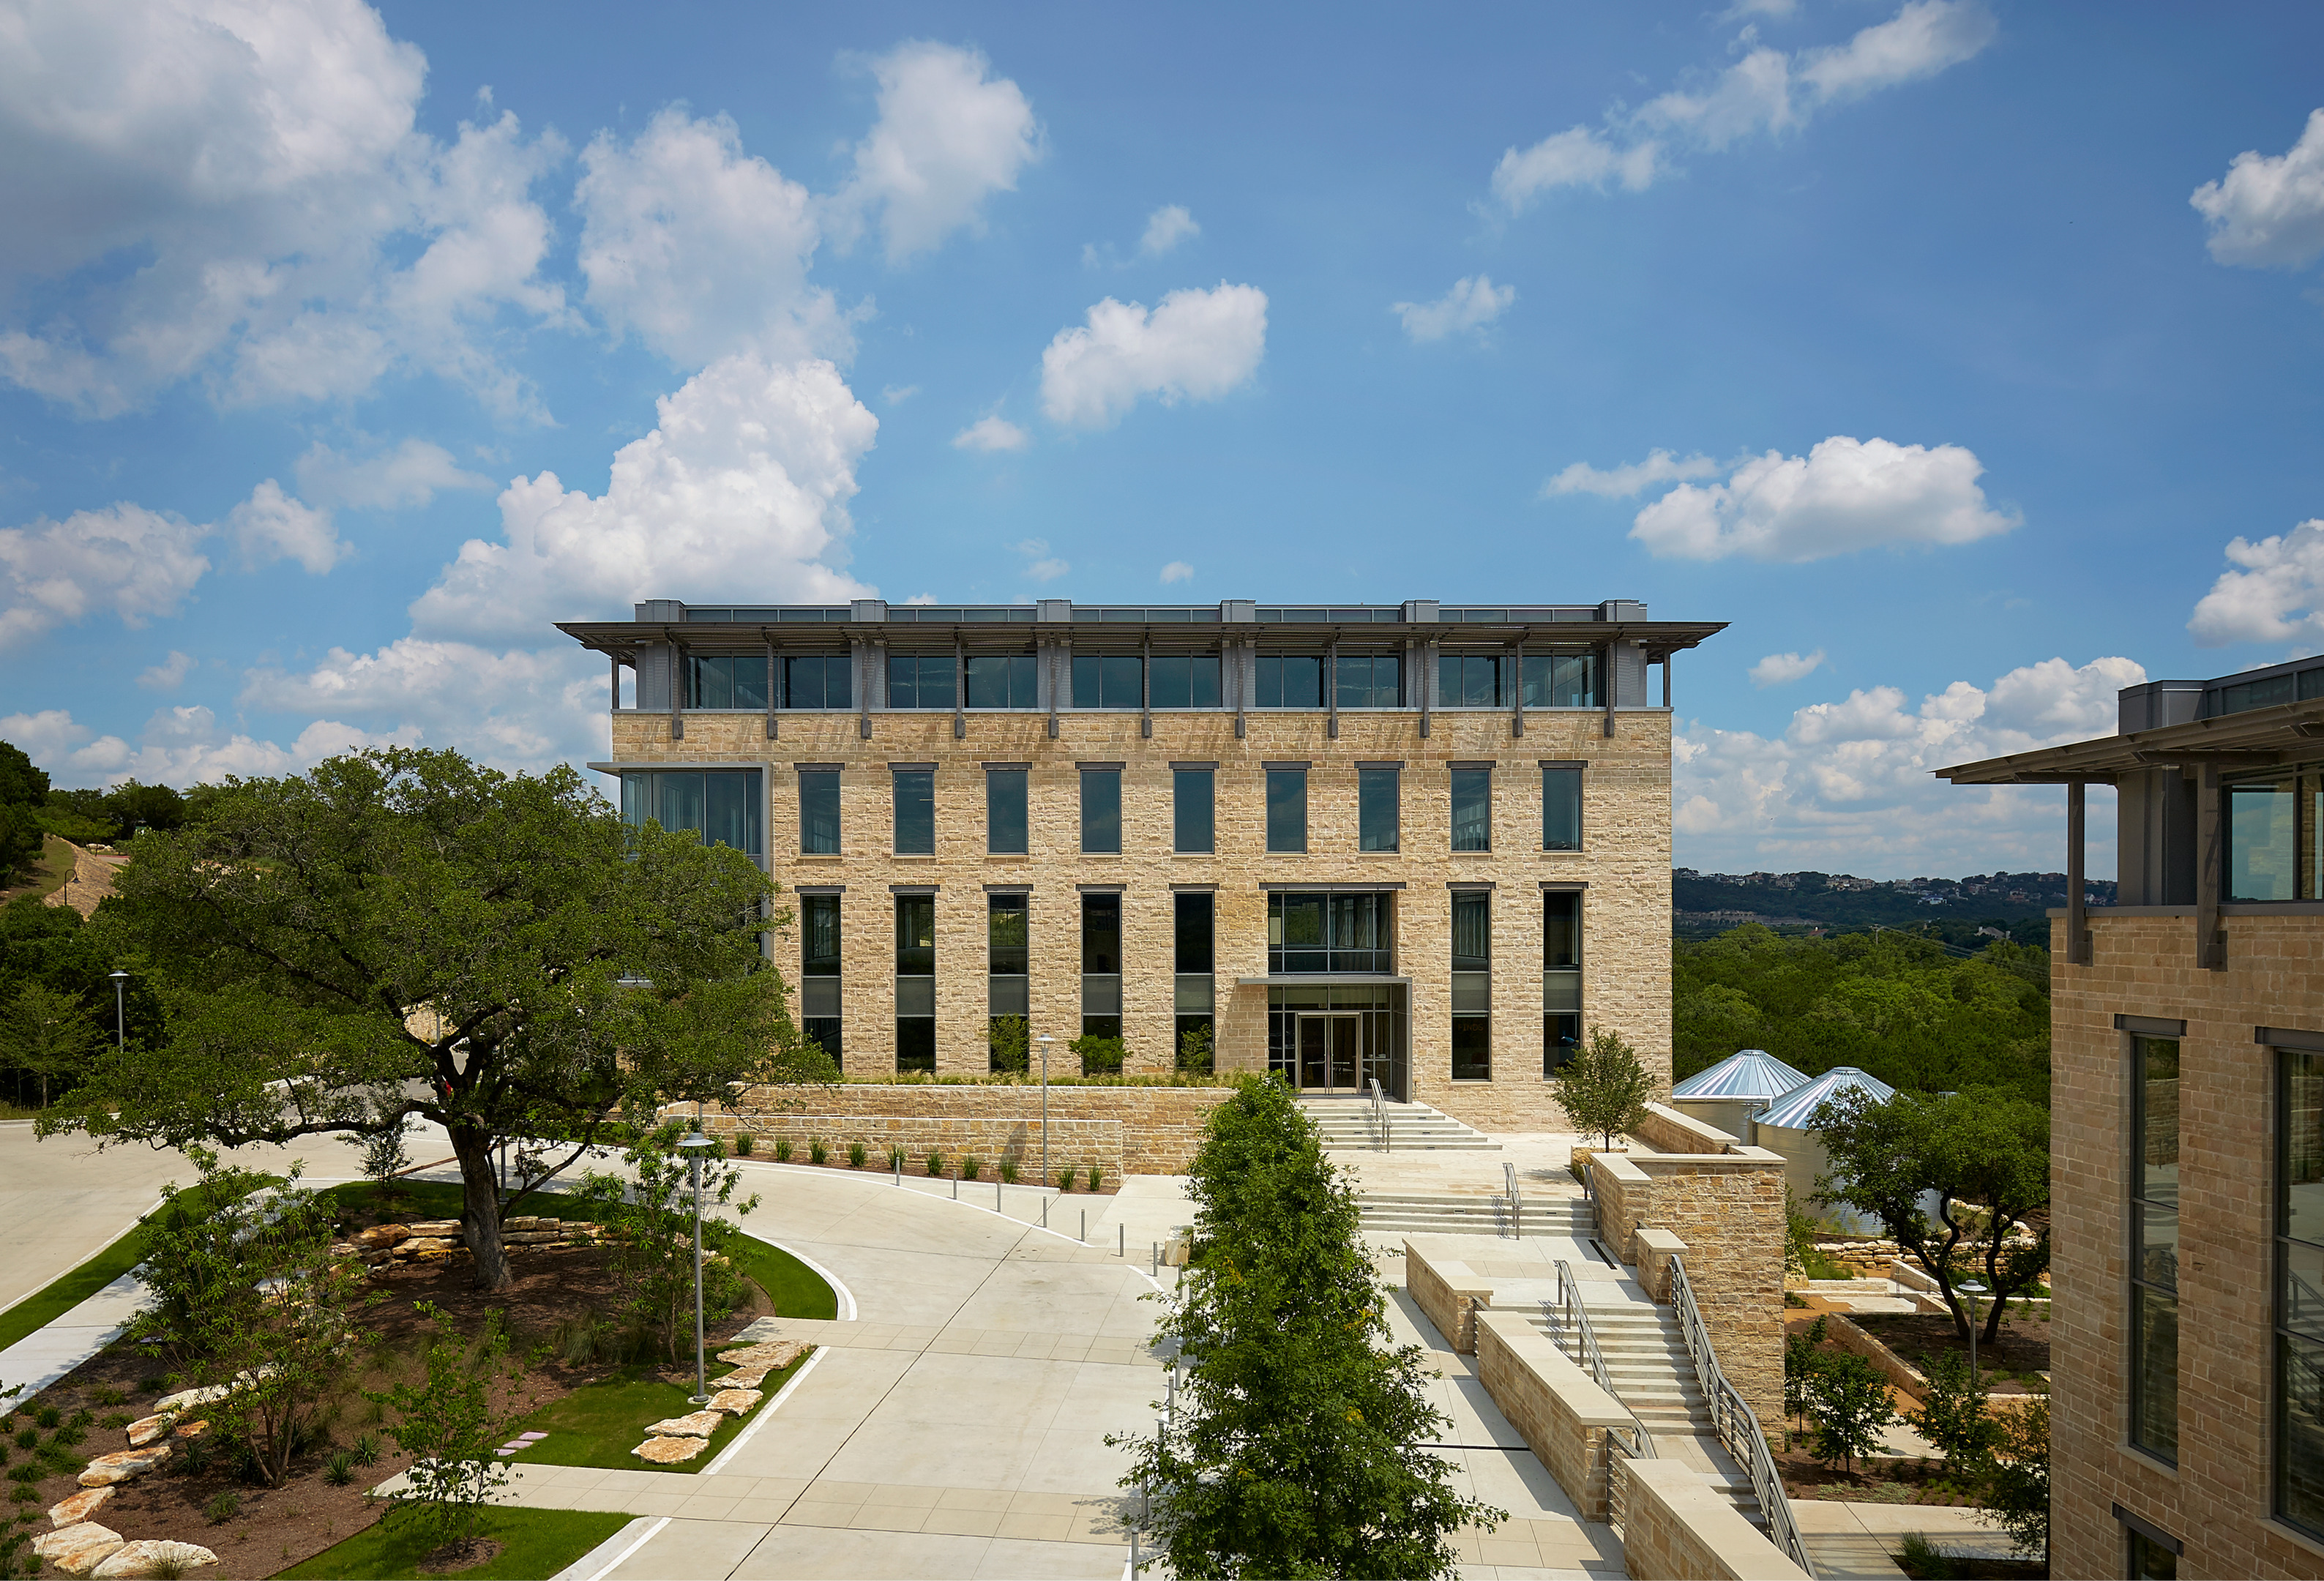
{"x":1378,"y":809}
{"x":1004,"y":812}
{"x":1102,"y":934}
{"x":923,"y":680}
{"x":916,"y":812}
{"x":819,"y":972}
{"x":1102,"y":812}
{"x":2155,"y":1247}
{"x":915,"y":983}
{"x":1471,"y":681}
{"x":1472,"y":985}
{"x":1561,"y":807}
{"x":819,"y":813}
{"x":1194,"y":996}
{"x":1005,"y":930}
{"x":726,"y":680}
{"x":2299,"y":1289}
{"x":1185,"y":681}
{"x":1561,"y":681}
{"x":1107,"y":680}
{"x":2273,"y":853}
{"x":819,"y":680}
{"x":1101,"y":977}
{"x":1007,"y":995}
{"x":1193,"y":810}
{"x":1473,"y":810}
{"x":1561,"y":977}
{"x":1330,"y":932}
{"x":1001,"y":681}
{"x":1289,"y":680}
{"x":1287,"y":809}
{"x":720,"y":805}
{"x":1370,"y":680}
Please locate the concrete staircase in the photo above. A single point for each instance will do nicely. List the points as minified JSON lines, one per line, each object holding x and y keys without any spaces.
{"x":1446,"y":1213}
{"x":1347,"y":1126}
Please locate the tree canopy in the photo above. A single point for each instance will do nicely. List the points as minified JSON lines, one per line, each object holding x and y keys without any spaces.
{"x":404,"y":932}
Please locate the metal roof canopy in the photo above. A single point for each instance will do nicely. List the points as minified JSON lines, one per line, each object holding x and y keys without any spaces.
{"x":2256,"y":738}
{"x":1744,"y":1074}
{"x":1795,"y":1111}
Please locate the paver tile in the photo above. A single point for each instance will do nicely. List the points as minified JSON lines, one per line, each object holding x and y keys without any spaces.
{"x":889,"y":1517}
{"x":1038,"y":1526}
{"x":995,"y":1499}
{"x":812,"y":1513}
{"x":963,"y":1522}
{"x":914,"y":1497}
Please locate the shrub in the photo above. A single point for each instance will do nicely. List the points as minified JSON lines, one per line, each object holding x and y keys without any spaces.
{"x":47,"y":1416}
{"x":1848,"y":1403}
{"x":366,"y":1451}
{"x":1009,"y":1170}
{"x":895,"y":1158}
{"x":936,"y":1161}
{"x":114,"y":1418}
{"x":1923,"y":1560}
{"x":968,"y":1165}
{"x":815,"y":1151}
{"x":744,"y":1142}
{"x":856,"y":1153}
{"x":782,"y":1150}
{"x":1196,"y":1050}
{"x":1011,"y":1042}
{"x":223,"y":1507}
{"x":1100,"y":1056}
{"x":151,"y":1385}
{"x":110,"y":1396}
{"x":339,"y":1470}
{"x":2017,"y":1489}
{"x":27,"y":1438}
{"x":1065,"y":1178}
{"x":1955,"y":1417}
{"x":449,"y":1428}
{"x":649,"y":1222}
{"x":1096,"y":1176}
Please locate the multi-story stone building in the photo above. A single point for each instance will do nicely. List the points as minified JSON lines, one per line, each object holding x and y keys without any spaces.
{"x":1422,"y":845}
{"x":2187,"y":1055}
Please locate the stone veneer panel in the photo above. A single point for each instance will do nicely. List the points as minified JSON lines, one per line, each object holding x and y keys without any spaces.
{"x":1556,"y":1407}
{"x":1676,"y":1528}
{"x":1450,"y":1294}
{"x":1129,"y":1130}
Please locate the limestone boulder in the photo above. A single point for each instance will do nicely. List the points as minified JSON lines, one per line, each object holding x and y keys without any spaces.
{"x":142,"y":1433}
{"x":381,"y":1236}
{"x":83,"y":1505}
{"x":122,"y":1465}
{"x":186,"y":1399}
{"x":435,"y":1227}
{"x":698,"y":1424}
{"x":77,"y":1550}
{"x":670,"y":1451}
{"x":190,"y":1430}
{"x":734,"y":1401}
{"x":151,"y":1557}
{"x":773,"y":1355}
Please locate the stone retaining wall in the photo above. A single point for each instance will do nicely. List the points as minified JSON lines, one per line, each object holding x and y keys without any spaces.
{"x":1450,"y":1294}
{"x":1675,"y":1527}
{"x":1555,"y":1406}
{"x":1667,"y":1131}
{"x":1123,"y":1130}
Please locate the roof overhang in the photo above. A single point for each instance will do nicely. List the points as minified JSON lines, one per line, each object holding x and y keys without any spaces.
{"x":2258,"y":738}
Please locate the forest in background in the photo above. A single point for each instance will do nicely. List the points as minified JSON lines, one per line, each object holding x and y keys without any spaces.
{"x":1908,"y":1011}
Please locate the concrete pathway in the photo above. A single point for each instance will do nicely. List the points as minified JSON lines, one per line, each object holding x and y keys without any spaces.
{"x":1849,"y":1539}
{"x":49,"y":1353}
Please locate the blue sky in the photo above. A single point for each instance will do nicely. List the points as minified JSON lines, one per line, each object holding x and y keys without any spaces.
{"x":342,"y":349}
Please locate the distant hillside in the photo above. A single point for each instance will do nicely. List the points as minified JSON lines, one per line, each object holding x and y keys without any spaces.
{"x":2012,"y":904}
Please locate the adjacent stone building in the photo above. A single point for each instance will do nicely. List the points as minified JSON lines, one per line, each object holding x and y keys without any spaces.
{"x":1422,"y":844}
{"x":2188,"y":1136}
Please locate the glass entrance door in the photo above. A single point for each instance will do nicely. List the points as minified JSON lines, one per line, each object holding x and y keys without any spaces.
{"x":1328,"y":1053}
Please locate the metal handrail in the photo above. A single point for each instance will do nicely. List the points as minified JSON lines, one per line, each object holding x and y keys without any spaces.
{"x":1517,"y":1202}
{"x":1379,"y":1117}
{"x":1568,"y":1312}
{"x":1737,"y":1423}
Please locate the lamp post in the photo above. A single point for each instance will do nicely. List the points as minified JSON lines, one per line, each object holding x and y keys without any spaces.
{"x":1045,"y":1041}
{"x":120,"y":1017}
{"x":693,"y":1144}
{"x":1972,"y":1289}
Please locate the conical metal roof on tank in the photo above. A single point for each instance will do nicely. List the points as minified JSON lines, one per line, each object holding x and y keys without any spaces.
{"x":1796,"y":1110}
{"x":1744,"y":1076}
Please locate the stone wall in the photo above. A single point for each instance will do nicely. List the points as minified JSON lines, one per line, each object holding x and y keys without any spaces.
{"x":1556,"y":1407}
{"x":1128,"y":1129}
{"x":1450,"y":1294}
{"x":1667,"y":1131}
{"x":1676,"y":1528}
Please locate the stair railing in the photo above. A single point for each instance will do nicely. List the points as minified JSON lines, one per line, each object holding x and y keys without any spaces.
{"x":1517,"y":1202}
{"x":1379,"y":1118}
{"x":1737,"y":1425}
{"x":1569,"y":1325}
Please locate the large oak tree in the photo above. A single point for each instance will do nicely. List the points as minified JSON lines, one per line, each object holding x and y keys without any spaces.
{"x":404,"y":933}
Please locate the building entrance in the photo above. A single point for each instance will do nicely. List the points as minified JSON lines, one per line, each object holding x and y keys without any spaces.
{"x":1328,"y":1053}
{"x":1336,"y":1037}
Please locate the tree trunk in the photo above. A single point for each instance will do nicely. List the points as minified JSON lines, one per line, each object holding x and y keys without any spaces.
{"x":480,"y":1212}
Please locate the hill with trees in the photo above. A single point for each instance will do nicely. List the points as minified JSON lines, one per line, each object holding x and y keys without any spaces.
{"x":1954,"y":909}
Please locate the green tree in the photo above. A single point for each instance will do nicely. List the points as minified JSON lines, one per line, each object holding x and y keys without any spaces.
{"x":2017,"y":1489}
{"x":1011,"y":1040}
{"x":1604,"y":1088}
{"x":1196,"y":1050}
{"x":1803,"y":1358}
{"x":1956,"y":1418}
{"x":649,"y":1216}
{"x":1848,"y":1405}
{"x":1099,"y":1056}
{"x":49,"y":1034}
{"x":1296,"y":1448}
{"x":154,"y":806}
{"x":1984,"y":1156}
{"x":406,"y":933}
{"x":447,"y":1423}
{"x":22,"y":784}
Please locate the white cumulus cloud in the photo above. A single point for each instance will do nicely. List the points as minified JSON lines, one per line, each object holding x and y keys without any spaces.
{"x":134,"y":563}
{"x":1165,"y":228}
{"x":170,"y":674}
{"x":1782,"y":668}
{"x":948,"y":136}
{"x":186,"y":745}
{"x":1177,"y":571}
{"x":991,"y":433}
{"x":1576,"y":157}
{"x":516,"y":708}
{"x":2275,"y":596}
{"x":1473,"y":303}
{"x":2268,"y":211}
{"x":271,"y":525}
{"x":1195,"y":345}
{"x":412,"y":474}
{"x":45,"y":737}
{"x":1842,"y":496}
{"x":1621,"y":482}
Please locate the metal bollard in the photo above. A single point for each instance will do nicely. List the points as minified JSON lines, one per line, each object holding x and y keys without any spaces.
{"x":1121,"y":1240}
{"x":996,"y":1196}
{"x":1085,"y":1236}
{"x":1157,"y":1270}
{"x":955,"y":1188}
{"x":1044,"y":1212}
{"x":899,"y":1162}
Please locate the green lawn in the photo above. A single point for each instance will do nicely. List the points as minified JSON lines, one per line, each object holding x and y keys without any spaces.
{"x":599,"y":1425}
{"x":540,"y":1543}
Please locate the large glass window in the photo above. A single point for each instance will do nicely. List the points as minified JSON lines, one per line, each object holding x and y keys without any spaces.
{"x":2299,"y":1289}
{"x":1006,"y":933}
{"x":1561,"y":681}
{"x":916,"y":812}
{"x":922,"y":680}
{"x":2273,"y":850}
{"x":2155,"y":1247}
{"x":819,"y":680}
{"x":1001,"y":681}
{"x":1193,"y":810}
{"x":1473,"y":810}
{"x":1287,"y":809}
{"x":819,"y":972}
{"x":1289,"y":680}
{"x":1004,"y":812}
{"x":1561,"y":977}
{"x":1370,"y":680}
{"x":819,"y":813}
{"x":1378,"y":809}
{"x":721,"y":805}
{"x":1330,"y":932}
{"x":1471,"y":681}
{"x":1101,"y":973}
{"x":1102,"y":810}
{"x":1194,"y":999}
{"x":1472,"y":985}
{"x":725,"y":680}
{"x":1561,"y":807}
{"x":1107,"y":680}
{"x":1185,"y":681}
{"x":915,"y":983}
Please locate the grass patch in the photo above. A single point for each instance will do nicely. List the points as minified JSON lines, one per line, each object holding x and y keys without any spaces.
{"x":538,"y":1542}
{"x":599,"y":1425}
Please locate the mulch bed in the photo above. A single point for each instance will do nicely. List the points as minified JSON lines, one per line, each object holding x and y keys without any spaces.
{"x":1874,"y":1481}
{"x":2024,"y":1346}
{"x":917,"y":1170}
{"x":276,"y":1528}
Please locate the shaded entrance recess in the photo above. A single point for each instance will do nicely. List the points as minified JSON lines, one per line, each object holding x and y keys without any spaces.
{"x":1335,"y":1039}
